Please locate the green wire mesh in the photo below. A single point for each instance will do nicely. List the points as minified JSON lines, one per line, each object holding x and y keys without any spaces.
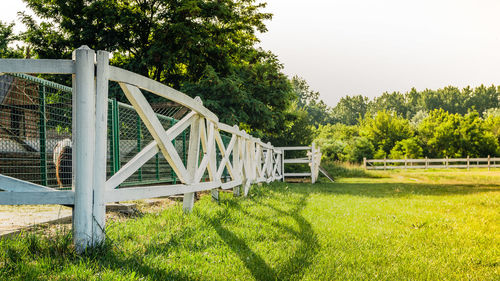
{"x":35,"y":115}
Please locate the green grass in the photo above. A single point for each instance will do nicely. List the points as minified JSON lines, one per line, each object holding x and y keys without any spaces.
{"x":402,"y":225}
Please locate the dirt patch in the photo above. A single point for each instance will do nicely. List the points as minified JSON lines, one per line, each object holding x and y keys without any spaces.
{"x":16,"y":218}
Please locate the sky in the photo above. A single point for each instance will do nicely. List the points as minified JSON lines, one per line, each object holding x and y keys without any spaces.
{"x":367,"y":47}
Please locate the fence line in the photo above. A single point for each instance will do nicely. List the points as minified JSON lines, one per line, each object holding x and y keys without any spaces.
{"x":428,"y":163}
{"x":246,"y":159}
{"x":313,"y":159}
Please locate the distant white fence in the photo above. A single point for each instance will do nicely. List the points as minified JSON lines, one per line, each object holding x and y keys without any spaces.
{"x":435,"y":163}
{"x":247,"y":159}
{"x":313,"y":159}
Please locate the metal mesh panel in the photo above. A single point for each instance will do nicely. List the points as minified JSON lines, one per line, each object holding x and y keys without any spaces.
{"x":35,"y":130}
{"x":128,"y":135}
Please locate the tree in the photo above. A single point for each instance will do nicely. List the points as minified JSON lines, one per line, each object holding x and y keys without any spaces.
{"x":359,"y":148}
{"x":258,"y":95}
{"x":394,"y":102}
{"x":477,"y":140}
{"x":350,"y":109}
{"x":454,"y":135}
{"x":385,"y":129}
{"x":333,"y":139}
{"x":440,"y":135}
{"x":308,"y":99}
{"x":171,"y":41}
{"x":407,"y":148}
{"x":7,"y":38}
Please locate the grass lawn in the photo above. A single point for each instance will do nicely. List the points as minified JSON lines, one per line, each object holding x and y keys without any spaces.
{"x":398,"y":225}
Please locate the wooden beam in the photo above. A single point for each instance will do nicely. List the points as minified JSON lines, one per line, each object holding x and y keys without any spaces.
{"x":156,"y":129}
{"x":66,"y":197}
{"x":46,"y":66}
{"x":136,"y":193}
{"x":125,"y":76}
{"x":16,"y":185}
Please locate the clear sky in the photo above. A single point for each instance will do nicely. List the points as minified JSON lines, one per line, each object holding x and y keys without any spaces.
{"x":349,"y":47}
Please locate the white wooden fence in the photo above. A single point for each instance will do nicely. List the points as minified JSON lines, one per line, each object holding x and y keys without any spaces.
{"x":313,"y":159}
{"x":252,"y":160}
{"x":435,"y":163}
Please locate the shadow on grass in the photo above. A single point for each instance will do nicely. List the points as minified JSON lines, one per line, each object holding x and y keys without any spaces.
{"x":294,"y":267}
{"x":379,"y":190}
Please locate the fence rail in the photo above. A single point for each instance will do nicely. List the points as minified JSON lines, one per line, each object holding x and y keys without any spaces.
{"x":431,"y":163}
{"x":212,"y":155}
{"x":313,"y":158}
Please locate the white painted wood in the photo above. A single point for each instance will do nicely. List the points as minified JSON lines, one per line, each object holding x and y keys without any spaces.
{"x":16,"y":185}
{"x":297,"y":174}
{"x":100,"y":144}
{"x":83,"y":146}
{"x":236,"y":165}
{"x":65,"y":197}
{"x":47,"y":66}
{"x":294,"y":148}
{"x":136,"y":193}
{"x":133,"y":165}
{"x":431,"y":163}
{"x":283,"y":165}
{"x":313,"y":163}
{"x":225,"y":153}
{"x":231,"y":184}
{"x":125,"y":76}
{"x":192,"y":161}
{"x":181,"y":126}
{"x":148,"y":116}
{"x":208,"y":144}
{"x":232,"y":130}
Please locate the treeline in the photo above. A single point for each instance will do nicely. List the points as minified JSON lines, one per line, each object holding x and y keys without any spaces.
{"x":434,"y":134}
{"x":439,"y":123}
{"x":412,"y":104}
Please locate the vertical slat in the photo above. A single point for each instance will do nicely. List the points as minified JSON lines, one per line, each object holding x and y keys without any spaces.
{"x":172,"y":173}
{"x":313,"y":155}
{"x":283,"y":165}
{"x":100,"y":148}
{"x":236,"y":164}
{"x":83,"y":141}
{"x":192,"y":161}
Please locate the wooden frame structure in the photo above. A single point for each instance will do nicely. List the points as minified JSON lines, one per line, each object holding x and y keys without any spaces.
{"x":252,"y":160}
{"x":431,"y":163}
{"x":313,"y":159}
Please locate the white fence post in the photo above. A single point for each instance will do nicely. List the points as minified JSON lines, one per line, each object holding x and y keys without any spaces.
{"x":101,"y":130}
{"x":83,"y":145}
{"x":192,"y":161}
{"x":283,"y":165}
{"x":236,"y":163}
{"x":468,"y":162}
{"x":313,"y":172}
{"x":489,"y":162}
